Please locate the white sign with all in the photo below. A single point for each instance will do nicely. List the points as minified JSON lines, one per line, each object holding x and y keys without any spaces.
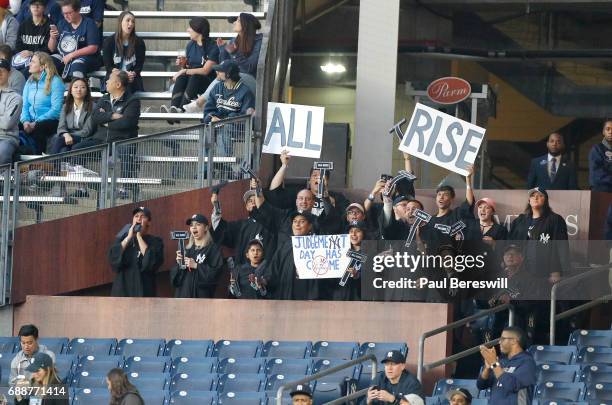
{"x":442,"y":139}
{"x":295,"y":128}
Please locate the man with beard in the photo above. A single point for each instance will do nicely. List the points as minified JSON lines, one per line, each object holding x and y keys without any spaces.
{"x":135,"y":257}
{"x":237,"y":234}
{"x":553,"y":171}
{"x":280,"y":272}
{"x":600,"y":162}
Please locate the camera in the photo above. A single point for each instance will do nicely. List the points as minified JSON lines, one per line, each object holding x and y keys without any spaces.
{"x":137,"y":228}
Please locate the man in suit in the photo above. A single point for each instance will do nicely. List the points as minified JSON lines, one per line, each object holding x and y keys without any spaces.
{"x":553,"y":171}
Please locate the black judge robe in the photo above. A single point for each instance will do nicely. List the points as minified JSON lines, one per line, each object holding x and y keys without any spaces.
{"x":202,"y":281}
{"x":135,"y":272}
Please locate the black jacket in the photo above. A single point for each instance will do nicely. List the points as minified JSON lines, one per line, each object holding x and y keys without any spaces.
{"x":32,"y":37}
{"x":408,"y":384}
{"x":135,"y":272}
{"x":113,"y":60}
{"x":565,"y":179}
{"x":109,"y":130}
{"x":200,"y":282}
{"x":59,"y":389}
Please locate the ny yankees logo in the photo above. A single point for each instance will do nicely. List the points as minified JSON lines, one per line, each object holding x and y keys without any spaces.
{"x":334,"y":242}
{"x":258,"y":237}
{"x":200,"y":258}
{"x":544,"y":238}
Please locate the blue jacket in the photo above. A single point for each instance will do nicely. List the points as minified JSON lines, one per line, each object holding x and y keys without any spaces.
{"x":515,"y":386}
{"x":39,"y":106}
{"x":600,"y":168}
{"x":565,"y":179}
{"x":225,"y":103}
{"x":246,"y":63}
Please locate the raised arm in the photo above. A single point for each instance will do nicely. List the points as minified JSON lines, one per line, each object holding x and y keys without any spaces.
{"x":469,"y":179}
{"x":279,"y":177}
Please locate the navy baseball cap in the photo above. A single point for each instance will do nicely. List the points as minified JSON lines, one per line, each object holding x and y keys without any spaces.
{"x":144,"y":210}
{"x":400,"y":198}
{"x":538,"y":190}
{"x":460,"y":391}
{"x":309,"y":217}
{"x":40,"y":360}
{"x":394,"y":356}
{"x":301,"y":389}
{"x":230,"y":68}
{"x":198,"y":218}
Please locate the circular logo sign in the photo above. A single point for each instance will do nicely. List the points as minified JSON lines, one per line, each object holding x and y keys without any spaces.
{"x":448,"y":90}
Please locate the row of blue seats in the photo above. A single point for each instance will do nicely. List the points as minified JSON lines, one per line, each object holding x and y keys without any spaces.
{"x":220,"y":349}
{"x":571,"y":355}
{"x":567,"y":391}
{"x":484,"y":401}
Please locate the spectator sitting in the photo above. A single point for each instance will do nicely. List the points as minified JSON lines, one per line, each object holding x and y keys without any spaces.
{"x":34,"y":36}
{"x":28,"y":340}
{"x":249,"y":277}
{"x":600,"y":162}
{"x":243,"y":50}
{"x":9,"y":26}
{"x":136,"y":256}
{"x":393,"y":383}
{"x":75,"y":123}
{"x":238,"y":234}
{"x":124,"y":50}
{"x":53,"y":11}
{"x":122,"y":392}
{"x":78,"y":43}
{"x":512,"y":377}
{"x":459,"y":396}
{"x":195,"y":72}
{"x":43,"y":97}
{"x":412,"y":399}
{"x":230,"y":97}
{"x":10,"y":110}
{"x":553,"y":171}
{"x":203,"y":263}
{"x":16,"y":79}
{"x":44,"y":376}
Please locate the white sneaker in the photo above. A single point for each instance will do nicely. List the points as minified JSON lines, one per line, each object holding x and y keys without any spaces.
{"x":192,"y":107}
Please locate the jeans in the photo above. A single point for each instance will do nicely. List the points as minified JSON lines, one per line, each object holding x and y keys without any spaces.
{"x":58,"y":144}
{"x":8,"y":147}
{"x":43,"y":130}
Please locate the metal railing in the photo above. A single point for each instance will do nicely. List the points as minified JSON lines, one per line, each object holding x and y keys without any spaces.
{"x":329,"y":371}
{"x":554,"y":317}
{"x":421,"y":367}
{"x":232,"y":140}
{"x":5,"y":204}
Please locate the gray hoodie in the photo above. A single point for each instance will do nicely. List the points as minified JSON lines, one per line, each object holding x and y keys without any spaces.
{"x":10,"y":111}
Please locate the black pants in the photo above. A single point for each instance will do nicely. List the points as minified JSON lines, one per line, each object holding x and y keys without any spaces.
{"x":43,"y":130}
{"x":186,"y":88}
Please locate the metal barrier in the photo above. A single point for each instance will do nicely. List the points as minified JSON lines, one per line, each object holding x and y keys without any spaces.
{"x":60,"y":186}
{"x":5,"y":204}
{"x":332,"y":370}
{"x":554,"y":317}
{"x":424,"y":367}
{"x":231,"y":146}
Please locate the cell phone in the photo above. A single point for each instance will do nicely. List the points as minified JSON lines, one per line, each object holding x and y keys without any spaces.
{"x":53,"y":27}
{"x":376,"y":387}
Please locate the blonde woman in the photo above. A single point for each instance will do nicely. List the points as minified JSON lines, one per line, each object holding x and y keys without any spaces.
{"x":9,"y":26}
{"x":47,"y":388}
{"x":43,"y":98}
{"x":202,"y":263}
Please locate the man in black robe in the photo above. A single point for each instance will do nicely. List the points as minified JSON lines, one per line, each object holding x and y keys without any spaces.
{"x":237,"y":234}
{"x":135,"y":256}
{"x":281,"y":274}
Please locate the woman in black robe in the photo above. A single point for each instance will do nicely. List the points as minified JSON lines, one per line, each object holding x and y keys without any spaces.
{"x":203,"y":263}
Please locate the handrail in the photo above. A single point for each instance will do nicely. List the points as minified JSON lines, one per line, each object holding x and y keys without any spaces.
{"x":423,"y":367}
{"x":554,"y":317}
{"x":371,"y":357}
{"x":211,"y":15}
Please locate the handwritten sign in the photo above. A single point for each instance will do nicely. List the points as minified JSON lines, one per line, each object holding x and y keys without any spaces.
{"x":442,"y":139}
{"x":320,"y":256}
{"x":296,"y":128}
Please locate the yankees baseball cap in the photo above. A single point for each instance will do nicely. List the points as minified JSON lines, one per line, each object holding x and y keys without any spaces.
{"x":356,"y":205}
{"x":144,"y":210}
{"x":248,"y":194}
{"x":309,"y":217}
{"x":399,"y":199}
{"x":460,"y":391}
{"x":40,"y":360}
{"x":394,"y":356}
{"x":301,"y":389}
{"x":198,"y":218}
{"x":357,"y":224}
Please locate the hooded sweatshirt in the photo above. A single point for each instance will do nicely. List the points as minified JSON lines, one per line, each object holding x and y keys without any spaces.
{"x":226,"y":102}
{"x":515,"y":386}
{"x":10,"y":110}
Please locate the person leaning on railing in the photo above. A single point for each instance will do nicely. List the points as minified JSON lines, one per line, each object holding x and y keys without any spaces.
{"x":10,"y":109}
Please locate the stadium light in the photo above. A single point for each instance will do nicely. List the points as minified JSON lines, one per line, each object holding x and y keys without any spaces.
{"x":333,"y":68}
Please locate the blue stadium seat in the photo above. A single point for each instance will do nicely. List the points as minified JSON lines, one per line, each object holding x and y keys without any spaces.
{"x":185,"y":397}
{"x":595,"y":355}
{"x":188,"y":382}
{"x":274,"y":382}
{"x":149,"y":381}
{"x":147,"y":364}
{"x":9,"y":344}
{"x":83,"y":346}
{"x":553,"y":402}
{"x":97,"y":364}
{"x":64,"y":364}
{"x":287,"y":349}
{"x":242,"y":398}
{"x":5,"y":368}
{"x":365,"y":376}
{"x":433,"y":401}
{"x":194,"y":365}
{"x":380,"y":350}
{"x":288,"y":366}
{"x":335,"y":350}
{"x":188,"y":348}
{"x":84,"y":380}
{"x":445,"y":385}
{"x":560,"y":391}
{"x":596,"y":373}
{"x":94,"y":396}
{"x":553,"y":354}
{"x":154,"y":397}
{"x":328,"y":391}
{"x":241,"y":366}
{"x":56,"y":344}
{"x":558,"y":373}
{"x":140,"y":347}
{"x":594,"y":338}
{"x":237,"y":348}
{"x":324,"y":364}
{"x":599,"y":392}
{"x":241,"y":383}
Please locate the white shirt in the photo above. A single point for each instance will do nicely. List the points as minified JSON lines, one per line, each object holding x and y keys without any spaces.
{"x":77,"y":114}
{"x":558,"y":163}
